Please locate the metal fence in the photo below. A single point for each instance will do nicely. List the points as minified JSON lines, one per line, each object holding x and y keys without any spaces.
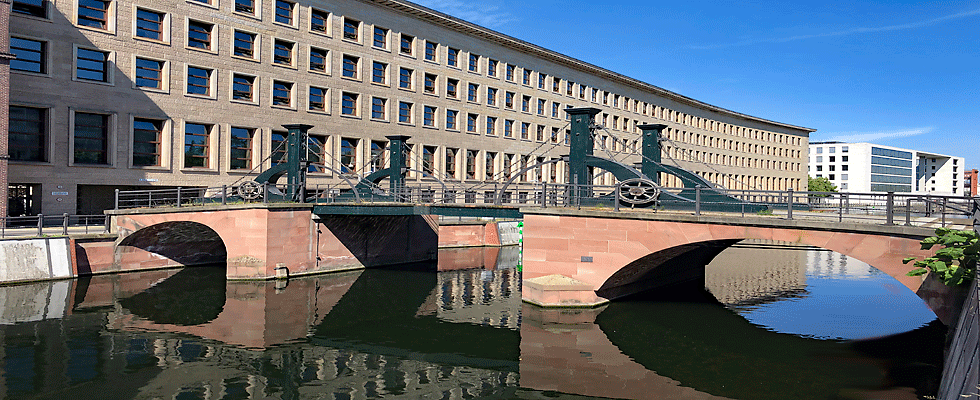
{"x":52,"y":225}
{"x":875,"y":208}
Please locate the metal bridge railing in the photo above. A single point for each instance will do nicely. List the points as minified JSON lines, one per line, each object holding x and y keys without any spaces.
{"x":52,"y":225}
{"x":874,"y":208}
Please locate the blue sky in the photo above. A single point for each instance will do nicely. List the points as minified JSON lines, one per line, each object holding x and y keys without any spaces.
{"x":897,"y":73}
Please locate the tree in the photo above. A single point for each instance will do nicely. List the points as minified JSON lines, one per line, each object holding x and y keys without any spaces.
{"x":820,"y":185}
{"x":956,"y":262}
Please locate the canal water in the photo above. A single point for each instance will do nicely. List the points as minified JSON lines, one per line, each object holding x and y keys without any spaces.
{"x":775,"y":322}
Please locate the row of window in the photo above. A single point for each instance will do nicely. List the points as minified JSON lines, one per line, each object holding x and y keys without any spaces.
{"x":154,"y":25}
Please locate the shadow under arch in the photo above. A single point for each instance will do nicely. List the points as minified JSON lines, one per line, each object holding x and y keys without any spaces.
{"x":668,"y":267}
{"x":193,"y":296}
{"x":171,"y":244}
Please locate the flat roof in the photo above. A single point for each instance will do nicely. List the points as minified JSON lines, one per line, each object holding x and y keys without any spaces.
{"x":467,"y":27}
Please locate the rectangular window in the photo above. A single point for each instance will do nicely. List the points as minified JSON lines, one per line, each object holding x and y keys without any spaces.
{"x":278,"y":154}
{"x":431,"y":49}
{"x":348,"y":104}
{"x":472,"y":93}
{"x":405,"y":78}
{"x":508,"y":128}
{"x":282,"y":93}
{"x":429,"y":116}
{"x":244,"y":44}
{"x":29,"y":55}
{"x":318,"y":59}
{"x":199,"y":35}
{"x":350,"y":66}
{"x":491,"y":126}
{"x":555,"y":106}
{"x":319,"y":21}
{"x":196,"y":145}
{"x":404,"y":112}
{"x":491,"y":67}
{"x":198,"y":81}
{"x":451,"y":162}
{"x":568,"y":88}
{"x":285,"y":12}
{"x":241,"y":148}
{"x":94,"y":13}
{"x":91,"y":138}
{"x":452,"y":57}
{"x":378,"y":108}
{"x":407,"y":45}
{"x":554,"y":136}
{"x":539,"y":134}
{"x":474,"y":65}
{"x":378,"y":155}
{"x":525,"y":128}
{"x":471,"y":122}
{"x":428,"y":159}
{"x":27,"y":134}
{"x":509,"y":100}
{"x":92,"y":65}
{"x":149,"y":24}
{"x":541,"y":105}
{"x":245,"y":6}
{"x":541,"y":78}
{"x":510,"y":73}
{"x":352,"y":29}
{"x":316,"y":153}
{"x":430,"y":83}
{"x":348,"y":155}
{"x":451,"y":88}
{"x":380,"y":37}
{"x":527,"y":77}
{"x":526,"y":104}
{"x":243,"y":88}
{"x":147,"y":136}
{"x":283,"y":53}
{"x":451,"y":117}
{"x":36,"y":8}
{"x":491,"y":96}
{"x":149,"y":73}
{"x":318,"y":99}
{"x":555,"y":84}
{"x":470,"y":164}
{"x":379,"y":73}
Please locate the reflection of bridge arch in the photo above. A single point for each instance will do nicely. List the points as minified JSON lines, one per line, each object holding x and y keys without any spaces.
{"x":628,"y":255}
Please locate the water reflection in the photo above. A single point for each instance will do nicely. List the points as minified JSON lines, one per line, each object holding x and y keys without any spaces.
{"x":413,"y":332}
{"x":812,"y":292}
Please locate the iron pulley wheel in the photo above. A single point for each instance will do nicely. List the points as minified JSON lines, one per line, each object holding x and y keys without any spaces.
{"x":250,"y":190}
{"x":638,"y":191}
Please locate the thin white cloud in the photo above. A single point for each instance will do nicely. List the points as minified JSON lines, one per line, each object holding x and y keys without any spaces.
{"x":856,"y":137}
{"x":853,"y":31}
{"x":483,"y":14}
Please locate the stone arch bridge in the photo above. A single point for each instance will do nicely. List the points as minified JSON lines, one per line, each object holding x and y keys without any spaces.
{"x":584,"y":258}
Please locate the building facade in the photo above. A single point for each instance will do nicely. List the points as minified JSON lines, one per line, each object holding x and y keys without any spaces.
{"x":866,"y":168}
{"x":125,"y":94}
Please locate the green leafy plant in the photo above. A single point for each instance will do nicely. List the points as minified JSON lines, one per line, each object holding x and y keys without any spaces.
{"x":764,"y":211}
{"x":955,"y":263}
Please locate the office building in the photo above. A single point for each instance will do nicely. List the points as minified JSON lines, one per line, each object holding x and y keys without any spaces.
{"x":867,"y":167}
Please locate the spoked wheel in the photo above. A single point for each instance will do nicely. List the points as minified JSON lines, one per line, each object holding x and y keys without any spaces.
{"x":250,"y":190}
{"x":638,"y":191}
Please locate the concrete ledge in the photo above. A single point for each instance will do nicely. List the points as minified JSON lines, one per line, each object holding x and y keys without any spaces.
{"x":558,"y":291}
{"x":916,"y":232}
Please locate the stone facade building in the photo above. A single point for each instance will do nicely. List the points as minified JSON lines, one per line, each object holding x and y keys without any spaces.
{"x":123,"y":94}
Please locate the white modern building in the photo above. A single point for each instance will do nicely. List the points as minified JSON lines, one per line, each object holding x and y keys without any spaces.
{"x":867,"y":167}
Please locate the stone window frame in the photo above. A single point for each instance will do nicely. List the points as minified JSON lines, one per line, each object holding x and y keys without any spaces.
{"x":46,"y":56}
{"x":165,"y":31}
{"x":212,"y":143}
{"x":164,"y":78}
{"x":110,"y":15}
{"x":212,"y":82}
{"x":111,"y":123}
{"x":212,"y":36}
{"x":328,"y":64}
{"x":110,"y":66}
{"x":256,"y":10}
{"x":47,"y":122}
{"x":256,"y":96}
{"x":166,"y":134}
{"x":326,"y":99}
{"x":328,"y":24}
{"x":292,"y":87}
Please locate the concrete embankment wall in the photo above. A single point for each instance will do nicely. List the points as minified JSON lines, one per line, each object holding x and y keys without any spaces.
{"x":37,"y":259}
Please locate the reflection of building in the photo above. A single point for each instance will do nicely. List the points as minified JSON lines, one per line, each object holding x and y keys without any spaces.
{"x":479,"y":296}
{"x":831,"y":264}
{"x":120,"y":94}
{"x":741,"y":276}
{"x":866,"y":167}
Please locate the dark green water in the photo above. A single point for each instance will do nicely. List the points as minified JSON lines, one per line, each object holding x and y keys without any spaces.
{"x":416,"y":333}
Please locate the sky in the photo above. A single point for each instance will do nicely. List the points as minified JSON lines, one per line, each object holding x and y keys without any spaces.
{"x":896,"y":73}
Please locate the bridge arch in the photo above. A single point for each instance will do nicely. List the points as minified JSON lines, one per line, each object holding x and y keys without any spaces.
{"x":170,"y":244}
{"x":617,"y":256}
